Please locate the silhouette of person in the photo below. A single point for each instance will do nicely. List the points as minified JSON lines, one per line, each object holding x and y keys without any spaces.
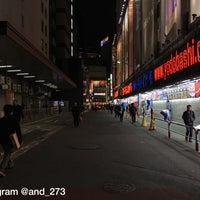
{"x":8,"y":125}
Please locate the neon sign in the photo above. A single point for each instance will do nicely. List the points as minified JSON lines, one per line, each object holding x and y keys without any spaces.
{"x":127,"y":89}
{"x":143,"y":81}
{"x":104,"y":41}
{"x":116,"y":94}
{"x":182,"y":60}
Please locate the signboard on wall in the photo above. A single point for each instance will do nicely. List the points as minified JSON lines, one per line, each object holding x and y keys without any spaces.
{"x":179,"y":61}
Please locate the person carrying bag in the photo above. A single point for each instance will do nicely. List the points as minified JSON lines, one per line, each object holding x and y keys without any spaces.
{"x":10,"y":138}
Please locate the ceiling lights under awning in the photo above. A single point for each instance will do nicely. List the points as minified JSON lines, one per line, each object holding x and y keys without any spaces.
{"x":16,"y":53}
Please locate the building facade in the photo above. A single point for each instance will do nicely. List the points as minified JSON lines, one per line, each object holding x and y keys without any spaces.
{"x":63,"y":30}
{"x":36,"y":36}
{"x":156,"y":54}
{"x":30,"y":19}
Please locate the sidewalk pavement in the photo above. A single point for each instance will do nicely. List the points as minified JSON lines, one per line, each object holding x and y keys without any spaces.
{"x":37,"y":130}
{"x":29,"y":125}
{"x":161,"y":128}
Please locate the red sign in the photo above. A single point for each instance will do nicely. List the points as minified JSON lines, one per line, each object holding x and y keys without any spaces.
{"x":197,"y":88}
{"x":184,"y":59}
{"x":127,"y":89}
{"x":116,"y":94}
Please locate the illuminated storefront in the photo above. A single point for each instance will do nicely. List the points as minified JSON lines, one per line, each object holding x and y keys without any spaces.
{"x":97,"y":91}
{"x":166,"y":44}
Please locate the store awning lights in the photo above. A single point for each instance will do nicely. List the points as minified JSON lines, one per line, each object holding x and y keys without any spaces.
{"x":6,"y":66}
{"x":40,"y":81}
{"x":22,"y":74}
{"x":14,"y":70}
{"x":29,"y":76}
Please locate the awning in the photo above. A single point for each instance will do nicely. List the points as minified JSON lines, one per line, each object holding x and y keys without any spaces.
{"x":17,"y":51}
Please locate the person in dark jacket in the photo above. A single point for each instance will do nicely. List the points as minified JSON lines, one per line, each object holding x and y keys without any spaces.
{"x":8,"y":125}
{"x":133,"y":111}
{"x":76,"y":110}
{"x":121,"y":112}
{"x":188,"y":118}
{"x":17,"y":111}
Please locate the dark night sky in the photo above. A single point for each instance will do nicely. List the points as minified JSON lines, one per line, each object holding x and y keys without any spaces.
{"x":95,"y":20}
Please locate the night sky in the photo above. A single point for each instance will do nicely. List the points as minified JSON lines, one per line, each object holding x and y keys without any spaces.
{"x":95,"y":21}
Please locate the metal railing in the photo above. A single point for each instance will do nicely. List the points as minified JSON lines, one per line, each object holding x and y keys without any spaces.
{"x":169,"y":123}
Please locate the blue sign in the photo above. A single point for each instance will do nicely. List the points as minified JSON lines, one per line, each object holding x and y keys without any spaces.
{"x":143,"y":81}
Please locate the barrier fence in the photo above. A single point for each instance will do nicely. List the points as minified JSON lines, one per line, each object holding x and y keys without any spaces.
{"x":169,"y":123}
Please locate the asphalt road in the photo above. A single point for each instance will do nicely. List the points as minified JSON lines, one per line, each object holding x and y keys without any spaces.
{"x":102,"y":159}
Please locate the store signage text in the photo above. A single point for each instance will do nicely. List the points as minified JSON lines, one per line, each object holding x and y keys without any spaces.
{"x":184,"y":59}
{"x":143,"y":81}
{"x":127,"y":89}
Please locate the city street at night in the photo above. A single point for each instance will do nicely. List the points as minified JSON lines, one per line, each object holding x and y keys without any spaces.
{"x":103,"y":159}
{"x":132,"y":68}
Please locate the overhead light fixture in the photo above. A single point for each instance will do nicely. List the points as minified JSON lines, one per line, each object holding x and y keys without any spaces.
{"x":48,"y":84}
{"x":22,"y":74}
{"x":51,"y":85}
{"x":29,"y":76}
{"x":39,"y":81}
{"x":54,"y":86}
{"x":5,"y":66}
{"x":14,"y":70}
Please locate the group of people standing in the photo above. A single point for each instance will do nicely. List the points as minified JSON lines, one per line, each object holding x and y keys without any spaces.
{"x":9,"y":124}
{"x":131,"y":109}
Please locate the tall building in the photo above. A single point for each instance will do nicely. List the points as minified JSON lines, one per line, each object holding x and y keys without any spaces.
{"x":62,"y":31}
{"x":156,"y":55}
{"x":35,"y":37}
{"x":30,"y":19}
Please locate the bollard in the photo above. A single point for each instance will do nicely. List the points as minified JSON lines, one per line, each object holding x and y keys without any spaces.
{"x":152,"y":124}
{"x":136,"y":116}
{"x":169,"y":131}
{"x":144,"y":121}
{"x":196,"y":140}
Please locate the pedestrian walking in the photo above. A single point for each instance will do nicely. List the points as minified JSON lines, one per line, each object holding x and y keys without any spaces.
{"x":121,"y":113}
{"x":76,"y":114}
{"x":8,"y":125}
{"x":133,"y":111}
{"x":115,"y":111}
{"x":17,"y":111}
{"x":188,"y":118}
{"x":127,"y":112}
{"x":82,"y":108}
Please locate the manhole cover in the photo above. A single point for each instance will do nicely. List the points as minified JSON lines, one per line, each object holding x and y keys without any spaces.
{"x":86,"y":146}
{"x":119,"y":187}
